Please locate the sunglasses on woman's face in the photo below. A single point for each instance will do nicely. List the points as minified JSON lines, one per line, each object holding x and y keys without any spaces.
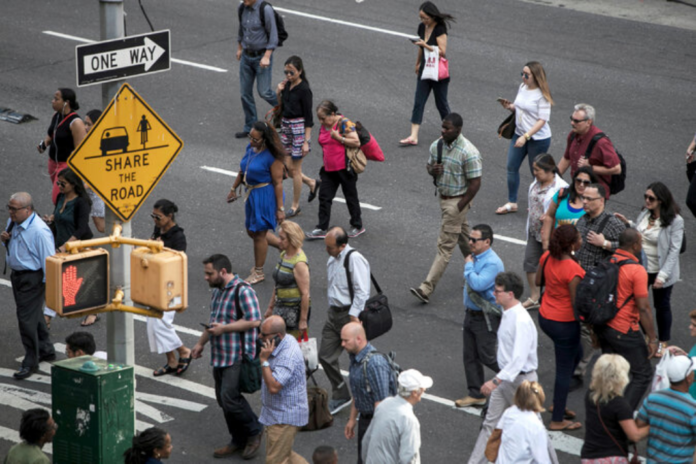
{"x":289,"y":73}
{"x":61,"y":183}
{"x":649,"y":198}
{"x":525,"y":75}
{"x":583,"y":182}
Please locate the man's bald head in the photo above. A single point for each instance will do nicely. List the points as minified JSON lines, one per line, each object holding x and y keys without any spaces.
{"x":274,"y":324}
{"x":353,"y":337}
{"x":354,"y":329}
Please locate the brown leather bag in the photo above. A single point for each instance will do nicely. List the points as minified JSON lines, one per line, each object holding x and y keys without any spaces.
{"x":493,"y":445}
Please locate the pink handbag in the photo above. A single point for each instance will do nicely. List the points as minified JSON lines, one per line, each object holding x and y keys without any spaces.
{"x":443,"y":69}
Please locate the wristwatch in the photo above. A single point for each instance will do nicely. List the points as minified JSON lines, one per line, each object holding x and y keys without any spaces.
{"x":495,"y":381}
{"x":265,"y":364}
{"x":282,"y":208}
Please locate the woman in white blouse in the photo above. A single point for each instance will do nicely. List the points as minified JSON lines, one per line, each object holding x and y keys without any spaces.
{"x":662,"y":229}
{"x":532,"y":108}
{"x":524,"y":438}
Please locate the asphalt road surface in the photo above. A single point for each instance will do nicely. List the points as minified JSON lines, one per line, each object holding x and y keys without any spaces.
{"x":638,"y":75}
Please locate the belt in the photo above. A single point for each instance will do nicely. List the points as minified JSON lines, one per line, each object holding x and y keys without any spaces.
{"x":340,"y":309}
{"x":19,"y":273}
{"x":445,"y":197}
{"x":474,"y":312}
{"x":254,"y":53}
{"x":528,"y":372}
{"x":366,"y":416}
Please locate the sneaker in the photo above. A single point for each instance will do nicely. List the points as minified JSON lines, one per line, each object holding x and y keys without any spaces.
{"x":469,"y":401}
{"x":316,"y":234}
{"x":354,"y":232}
{"x":241,"y":135}
{"x":418,"y":293}
{"x":337,"y":405}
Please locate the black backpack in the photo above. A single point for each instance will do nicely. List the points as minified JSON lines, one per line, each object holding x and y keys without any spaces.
{"x":280,"y":24}
{"x":618,"y":181}
{"x":595,"y":298}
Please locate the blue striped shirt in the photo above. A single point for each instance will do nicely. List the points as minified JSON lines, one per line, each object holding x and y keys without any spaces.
{"x":379,"y":375}
{"x":289,"y":405}
{"x":672,"y":419}
{"x":30,"y":244}
{"x":226,"y":349}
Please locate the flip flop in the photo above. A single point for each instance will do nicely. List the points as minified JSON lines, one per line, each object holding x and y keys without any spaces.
{"x":568,"y":414}
{"x":507,"y":208}
{"x":407,"y":142}
{"x":569,"y":426}
{"x":183,"y":365}
{"x":96,"y":319}
{"x":164,"y":370}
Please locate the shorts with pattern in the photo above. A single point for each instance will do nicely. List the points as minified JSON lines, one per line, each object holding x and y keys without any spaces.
{"x":292,"y":135}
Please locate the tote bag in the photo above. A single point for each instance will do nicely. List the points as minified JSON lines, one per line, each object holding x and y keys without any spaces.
{"x":431,"y":70}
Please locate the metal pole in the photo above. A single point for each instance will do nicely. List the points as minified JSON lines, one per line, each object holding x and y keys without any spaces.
{"x":119,"y":329}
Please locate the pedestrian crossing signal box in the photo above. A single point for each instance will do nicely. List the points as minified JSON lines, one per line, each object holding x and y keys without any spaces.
{"x":159,"y":280}
{"x":79,"y":282}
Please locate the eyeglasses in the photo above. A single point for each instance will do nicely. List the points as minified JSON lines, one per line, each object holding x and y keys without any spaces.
{"x":649,"y":198}
{"x":12,"y":209}
{"x":472,"y":239}
{"x":577,"y":121}
{"x":589,"y":199}
{"x":583,"y":182}
{"x":156,"y":217}
{"x":255,"y":140}
{"x":60,"y":183}
{"x":289,"y":73}
{"x":525,"y":75}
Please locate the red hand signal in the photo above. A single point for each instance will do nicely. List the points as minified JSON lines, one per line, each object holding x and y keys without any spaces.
{"x":71,"y":285}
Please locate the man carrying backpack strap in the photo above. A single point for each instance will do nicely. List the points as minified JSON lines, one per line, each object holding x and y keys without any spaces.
{"x":602,"y":158}
{"x":369,"y":384}
{"x":256,"y":41}
{"x":622,"y":334}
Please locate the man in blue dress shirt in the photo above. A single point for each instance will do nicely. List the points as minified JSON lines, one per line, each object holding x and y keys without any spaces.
{"x":28,"y":242}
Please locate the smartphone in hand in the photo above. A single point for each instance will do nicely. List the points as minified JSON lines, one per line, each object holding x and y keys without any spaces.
{"x":205,"y":325}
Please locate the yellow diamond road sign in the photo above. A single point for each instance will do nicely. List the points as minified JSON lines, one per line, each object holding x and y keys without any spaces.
{"x":126,"y":153}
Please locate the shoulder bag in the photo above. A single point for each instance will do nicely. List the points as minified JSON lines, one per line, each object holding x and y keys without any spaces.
{"x":250,"y":375}
{"x":634,"y":459}
{"x":376,"y":318}
{"x":506,"y":129}
{"x":355,"y":158}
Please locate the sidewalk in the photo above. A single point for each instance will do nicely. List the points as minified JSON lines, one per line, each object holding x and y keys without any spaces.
{"x":675,"y":13}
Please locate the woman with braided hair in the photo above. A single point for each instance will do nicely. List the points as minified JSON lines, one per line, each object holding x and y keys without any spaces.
{"x":149,"y":447}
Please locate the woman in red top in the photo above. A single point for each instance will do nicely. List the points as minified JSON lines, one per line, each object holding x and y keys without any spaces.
{"x":560,"y":275}
{"x":336,"y":133}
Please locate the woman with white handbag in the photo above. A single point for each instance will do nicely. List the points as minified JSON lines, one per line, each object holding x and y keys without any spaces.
{"x":432,"y":68}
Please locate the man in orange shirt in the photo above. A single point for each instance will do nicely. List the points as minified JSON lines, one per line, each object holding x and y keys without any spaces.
{"x":622,"y":335}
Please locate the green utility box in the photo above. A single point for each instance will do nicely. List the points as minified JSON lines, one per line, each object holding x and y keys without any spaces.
{"x":94,"y":407}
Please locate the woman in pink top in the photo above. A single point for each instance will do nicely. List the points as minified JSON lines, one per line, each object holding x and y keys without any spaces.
{"x":335,"y":135}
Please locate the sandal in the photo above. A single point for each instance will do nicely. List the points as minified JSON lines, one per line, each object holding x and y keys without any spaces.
{"x":567,"y":425}
{"x":507,"y":208}
{"x":313,"y":193}
{"x":164,"y":370}
{"x":530,"y":304}
{"x":96,"y":318}
{"x":183,"y":365}
{"x":661,"y":348}
{"x":293,"y":212}
{"x":568,"y":414}
{"x":408,"y":142}
{"x":256,"y":276}
{"x":48,"y":321}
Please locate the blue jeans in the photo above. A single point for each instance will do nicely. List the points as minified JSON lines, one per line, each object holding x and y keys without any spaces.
{"x":566,"y":343}
{"x":423,"y":89}
{"x":515,"y":157}
{"x":250,"y":69}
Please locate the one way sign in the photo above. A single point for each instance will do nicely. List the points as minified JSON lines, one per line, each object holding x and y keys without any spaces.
{"x":117,"y":59}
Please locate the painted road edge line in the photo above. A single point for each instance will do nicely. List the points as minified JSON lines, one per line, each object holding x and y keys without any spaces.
{"x":175,"y":60}
{"x":234,"y":174}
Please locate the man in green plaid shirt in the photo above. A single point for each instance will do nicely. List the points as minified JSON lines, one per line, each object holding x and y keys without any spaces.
{"x":458,"y":179}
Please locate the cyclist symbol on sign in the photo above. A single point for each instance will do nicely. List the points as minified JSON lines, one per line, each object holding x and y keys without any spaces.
{"x":143,"y":127}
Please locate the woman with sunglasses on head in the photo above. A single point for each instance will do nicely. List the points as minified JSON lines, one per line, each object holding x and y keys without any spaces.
{"x":662,"y":229}
{"x":295,"y":98}
{"x":532,"y":108}
{"x":65,"y":132}
{"x":261,"y":172}
{"x":70,"y":220}
{"x":160,"y":332}
{"x":432,"y":31}
{"x":566,"y":205}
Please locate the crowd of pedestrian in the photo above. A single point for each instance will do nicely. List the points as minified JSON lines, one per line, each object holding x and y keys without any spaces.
{"x":571,"y":239}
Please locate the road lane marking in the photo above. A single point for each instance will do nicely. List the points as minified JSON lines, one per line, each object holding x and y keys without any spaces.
{"x":516,"y":241}
{"x":178,"y":328}
{"x":174,"y":60}
{"x":234,"y":174}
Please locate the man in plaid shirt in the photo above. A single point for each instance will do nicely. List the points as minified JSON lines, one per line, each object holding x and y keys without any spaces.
{"x":226,"y":334}
{"x":458,"y":179}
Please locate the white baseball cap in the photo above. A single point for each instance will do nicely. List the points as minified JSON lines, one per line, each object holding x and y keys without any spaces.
{"x":411,"y":380}
{"x":679,"y":367}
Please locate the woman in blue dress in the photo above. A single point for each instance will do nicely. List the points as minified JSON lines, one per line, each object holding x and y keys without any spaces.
{"x":261,"y":172}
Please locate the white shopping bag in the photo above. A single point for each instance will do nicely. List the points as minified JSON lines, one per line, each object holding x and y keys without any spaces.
{"x":431,"y":69}
{"x":309,"y":351}
{"x":661,"y":381}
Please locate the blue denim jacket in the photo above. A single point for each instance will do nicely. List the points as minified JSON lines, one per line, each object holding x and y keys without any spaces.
{"x":480,"y":276}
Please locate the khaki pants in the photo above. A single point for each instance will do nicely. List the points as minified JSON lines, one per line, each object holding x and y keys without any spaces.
{"x":279,"y":441}
{"x":453,"y":230}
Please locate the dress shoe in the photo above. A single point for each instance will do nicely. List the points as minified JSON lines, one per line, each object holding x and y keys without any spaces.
{"x":227,"y":450}
{"x":418,"y":293}
{"x":252,"y":447}
{"x":24,"y":373}
{"x":469,"y":401}
{"x":47,"y":357}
